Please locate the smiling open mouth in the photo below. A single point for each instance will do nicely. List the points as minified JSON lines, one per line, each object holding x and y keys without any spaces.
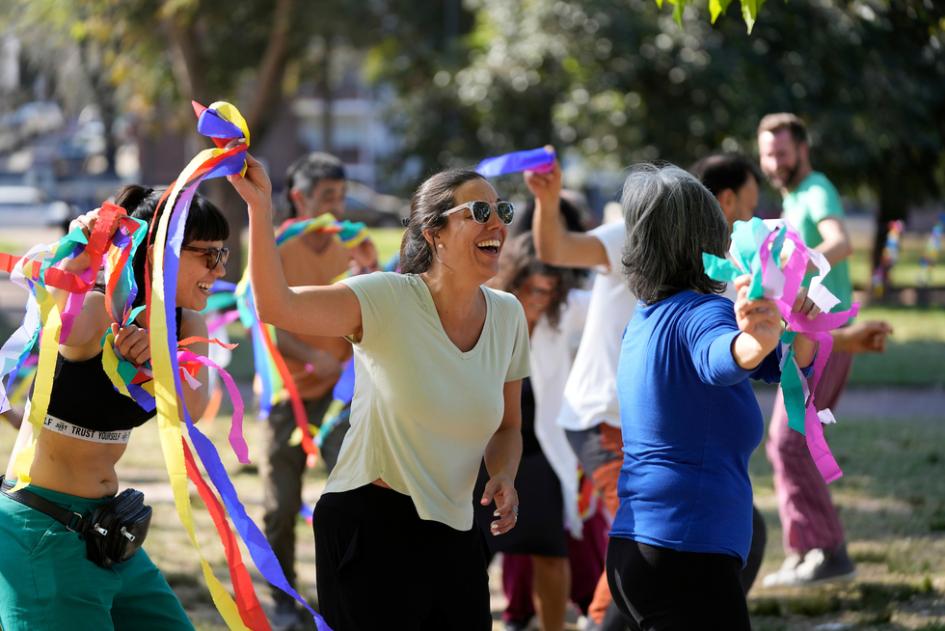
{"x":204,"y":287}
{"x":491,"y":246}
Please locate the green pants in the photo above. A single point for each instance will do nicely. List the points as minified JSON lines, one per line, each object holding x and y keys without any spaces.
{"x":46,"y":582}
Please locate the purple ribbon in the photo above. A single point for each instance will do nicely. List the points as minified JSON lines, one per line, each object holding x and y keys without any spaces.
{"x":541,"y":160}
{"x":344,"y":388}
{"x":256,"y":543}
{"x":211,"y":124}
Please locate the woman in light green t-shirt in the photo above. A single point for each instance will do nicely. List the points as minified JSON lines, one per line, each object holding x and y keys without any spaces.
{"x":439,"y":361}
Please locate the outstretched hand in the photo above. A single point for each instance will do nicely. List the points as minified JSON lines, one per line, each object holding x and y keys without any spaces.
{"x":255,"y":187}
{"x":863,"y":337}
{"x":804,"y":305}
{"x":501,"y":489}
{"x":546,"y":186}
{"x":364,"y":258}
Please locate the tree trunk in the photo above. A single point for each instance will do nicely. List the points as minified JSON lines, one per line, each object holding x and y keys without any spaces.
{"x":268,"y":91}
{"x":103,"y":97}
{"x":189,"y":70}
{"x":328,"y":98}
{"x":187,"y":63}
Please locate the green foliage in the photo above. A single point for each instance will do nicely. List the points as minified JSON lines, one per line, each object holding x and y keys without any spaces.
{"x":168,"y":52}
{"x":612,"y":82}
{"x":749,"y":9}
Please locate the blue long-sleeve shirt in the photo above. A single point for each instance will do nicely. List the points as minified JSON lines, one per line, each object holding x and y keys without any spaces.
{"x":690,"y":423}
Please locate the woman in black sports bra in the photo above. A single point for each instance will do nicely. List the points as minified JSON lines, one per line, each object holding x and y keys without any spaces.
{"x":46,"y":581}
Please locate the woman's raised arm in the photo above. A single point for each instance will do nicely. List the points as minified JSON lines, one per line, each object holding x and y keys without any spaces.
{"x":330,"y":311}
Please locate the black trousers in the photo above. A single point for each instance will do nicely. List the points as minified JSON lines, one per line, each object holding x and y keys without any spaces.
{"x":658,"y":589}
{"x":756,"y":554}
{"x":379,"y":566}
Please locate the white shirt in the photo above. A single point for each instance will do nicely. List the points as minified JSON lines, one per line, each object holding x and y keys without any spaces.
{"x":423,"y":411}
{"x":590,"y":396}
{"x":552,"y":353}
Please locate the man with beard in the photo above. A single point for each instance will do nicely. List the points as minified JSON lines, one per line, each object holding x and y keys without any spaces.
{"x":813,"y":535}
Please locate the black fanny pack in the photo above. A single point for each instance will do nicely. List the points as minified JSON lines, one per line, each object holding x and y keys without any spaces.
{"x":113,"y":532}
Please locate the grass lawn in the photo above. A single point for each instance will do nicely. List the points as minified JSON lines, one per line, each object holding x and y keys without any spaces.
{"x":892,"y":501}
{"x":892,"y":498}
{"x":915,"y":353}
{"x":387,"y":242}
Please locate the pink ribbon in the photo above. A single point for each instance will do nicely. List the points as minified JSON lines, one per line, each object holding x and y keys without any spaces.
{"x":237,"y":442}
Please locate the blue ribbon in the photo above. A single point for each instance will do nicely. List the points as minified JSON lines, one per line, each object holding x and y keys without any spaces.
{"x":541,"y":159}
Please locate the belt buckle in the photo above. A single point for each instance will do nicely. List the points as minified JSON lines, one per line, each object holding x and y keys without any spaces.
{"x":74,"y":523}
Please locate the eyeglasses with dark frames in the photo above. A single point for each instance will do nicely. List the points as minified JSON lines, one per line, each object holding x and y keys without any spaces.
{"x":481,"y":211}
{"x":214,"y":256}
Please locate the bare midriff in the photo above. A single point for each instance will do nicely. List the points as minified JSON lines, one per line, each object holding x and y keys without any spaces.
{"x":76,"y":467}
{"x":379,"y":482}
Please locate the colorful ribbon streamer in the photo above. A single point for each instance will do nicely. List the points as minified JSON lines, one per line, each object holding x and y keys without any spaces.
{"x":223,"y":123}
{"x":541,"y":160}
{"x":56,"y":298}
{"x":776,"y":258}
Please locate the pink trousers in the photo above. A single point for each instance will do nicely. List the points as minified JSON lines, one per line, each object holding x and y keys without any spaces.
{"x":808,"y":517}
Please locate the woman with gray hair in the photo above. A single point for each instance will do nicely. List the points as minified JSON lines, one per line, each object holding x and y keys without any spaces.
{"x":690,"y":420}
{"x":439,"y":361}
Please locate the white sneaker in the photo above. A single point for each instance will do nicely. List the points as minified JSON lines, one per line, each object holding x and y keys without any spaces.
{"x":784,"y":573}
{"x":818,"y":566}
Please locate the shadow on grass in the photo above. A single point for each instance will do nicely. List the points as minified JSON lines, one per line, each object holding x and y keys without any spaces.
{"x":865,"y":603}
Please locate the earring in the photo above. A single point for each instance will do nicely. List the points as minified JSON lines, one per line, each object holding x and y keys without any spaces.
{"x":439,"y":245}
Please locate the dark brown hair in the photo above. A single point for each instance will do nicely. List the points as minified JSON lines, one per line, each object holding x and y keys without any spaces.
{"x":305,"y":173}
{"x":432,"y":199}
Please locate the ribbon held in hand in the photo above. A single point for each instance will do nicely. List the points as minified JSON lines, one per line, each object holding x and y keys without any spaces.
{"x":223,"y":123}
{"x":776,"y":258}
{"x":541,"y":160}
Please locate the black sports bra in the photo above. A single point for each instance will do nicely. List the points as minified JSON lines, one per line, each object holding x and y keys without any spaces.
{"x":83,"y":395}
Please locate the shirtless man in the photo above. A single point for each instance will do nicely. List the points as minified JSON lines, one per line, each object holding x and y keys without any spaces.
{"x":315,"y":185}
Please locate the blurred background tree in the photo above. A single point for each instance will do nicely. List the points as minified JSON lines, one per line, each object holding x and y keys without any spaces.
{"x":609,"y":82}
{"x":616,"y":82}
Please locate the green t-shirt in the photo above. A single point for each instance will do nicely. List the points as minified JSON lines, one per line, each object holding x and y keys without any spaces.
{"x":812,"y":201}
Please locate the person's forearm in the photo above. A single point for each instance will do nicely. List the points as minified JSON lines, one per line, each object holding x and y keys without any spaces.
{"x":293,"y":348}
{"x":547,"y":230}
{"x":804,"y":350}
{"x":76,"y":265}
{"x":13,"y":417}
{"x":748,"y":351}
{"x":503,"y":452}
{"x":270,"y":291}
{"x":835,"y":250}
{"x":197,"y":399}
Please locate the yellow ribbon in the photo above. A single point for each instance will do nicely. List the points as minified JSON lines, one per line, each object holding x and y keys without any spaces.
{"x":110,"y":364}
{"x":45,"y":370}
{"x":165,"y":393}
